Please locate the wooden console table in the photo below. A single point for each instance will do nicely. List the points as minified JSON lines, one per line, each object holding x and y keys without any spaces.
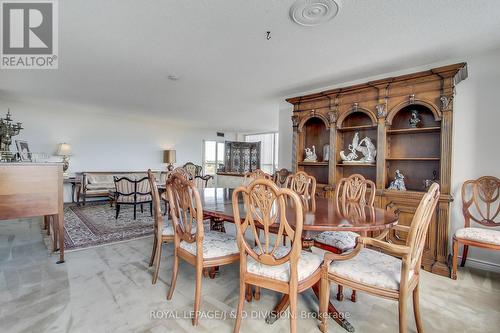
{"x":34,"y":189}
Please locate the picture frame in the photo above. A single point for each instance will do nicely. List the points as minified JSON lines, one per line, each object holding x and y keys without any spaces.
{"x":23,"y":150}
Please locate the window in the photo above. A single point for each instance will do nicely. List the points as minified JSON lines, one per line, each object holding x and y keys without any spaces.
{"x":268,"y":150}
{"x":213,"y":155}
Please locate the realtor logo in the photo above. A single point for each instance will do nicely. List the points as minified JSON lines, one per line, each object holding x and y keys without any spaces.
{"x":29,"y":37}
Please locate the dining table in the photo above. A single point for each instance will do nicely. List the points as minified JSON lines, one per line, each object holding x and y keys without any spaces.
{"x":325,"y":214}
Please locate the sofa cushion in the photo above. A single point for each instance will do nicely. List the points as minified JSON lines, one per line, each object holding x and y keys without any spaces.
{"x":99,"y":178}
{"x":101,"y":186}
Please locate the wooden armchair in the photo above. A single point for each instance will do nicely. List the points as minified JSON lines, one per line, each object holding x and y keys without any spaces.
{"x":132,"y":192}
{"x":163,"y":232}
{"x":381,"y":274}
{"x":196,"y":172}
{"x":481,"y":204}
{"x":267,"y":264}
{"x":305,"y":186}
{"x":197,"y":247}
{"x":179,"y":170}
{"x":357,"y":190}
{"x":280,"y":177}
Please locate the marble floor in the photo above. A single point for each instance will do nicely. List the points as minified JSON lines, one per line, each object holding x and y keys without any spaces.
{"x":108,"y":289}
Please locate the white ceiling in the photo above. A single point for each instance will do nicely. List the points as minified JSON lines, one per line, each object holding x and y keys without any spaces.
{"x":117,"y":54}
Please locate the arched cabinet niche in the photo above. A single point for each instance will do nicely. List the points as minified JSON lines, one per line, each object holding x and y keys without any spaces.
{"x":314,"y":132}
{"x":355,"y":122}
{"x":414,"y":150}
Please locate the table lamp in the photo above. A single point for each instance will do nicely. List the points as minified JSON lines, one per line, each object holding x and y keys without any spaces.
{"x":169,"y":158}
{"x":64,"y":150}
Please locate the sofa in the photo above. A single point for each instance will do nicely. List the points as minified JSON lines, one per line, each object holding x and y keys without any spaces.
{"x":100,"y":184}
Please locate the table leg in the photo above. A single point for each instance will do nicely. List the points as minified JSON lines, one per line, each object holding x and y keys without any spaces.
{"x":60,"y":226}
{"x":283,"y":304}
{"x":332,"y":311}
{"x":73,"y":185}
{"x":278,"y":309}
{"x":217,"y":224}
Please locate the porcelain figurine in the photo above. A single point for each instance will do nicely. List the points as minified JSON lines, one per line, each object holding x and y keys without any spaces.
{"x":365,"y":147}
{"x":311,"y":155}
{"x":414,"y":119}
{"x":398,"y":183}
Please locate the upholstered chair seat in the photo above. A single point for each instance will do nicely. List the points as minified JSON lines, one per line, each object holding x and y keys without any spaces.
{"x":168,"y":230}
{"x":307,"y":265}
{"x":371,"y":268}
{"x":481,"y":235}
{"x":342,"y":240}
{"x":215,"y":244}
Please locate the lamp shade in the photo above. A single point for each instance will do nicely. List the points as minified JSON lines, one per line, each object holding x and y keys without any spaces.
{"x":63,"y":149}
{"x":169,"y":156}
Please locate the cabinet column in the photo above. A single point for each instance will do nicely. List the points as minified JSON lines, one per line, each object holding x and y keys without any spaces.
{"x":381,"y":144}
{"x":295,"y":153}
{"x":332,"y":117}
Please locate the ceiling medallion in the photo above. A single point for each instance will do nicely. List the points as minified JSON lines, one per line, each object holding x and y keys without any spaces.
{"x":310,"y":13}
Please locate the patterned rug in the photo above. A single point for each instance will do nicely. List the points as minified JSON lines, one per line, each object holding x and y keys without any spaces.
{"x":94,"y":225}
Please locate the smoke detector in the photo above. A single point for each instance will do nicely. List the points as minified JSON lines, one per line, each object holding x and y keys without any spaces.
{"x":310,"y":13}
{"x":173,"y":77}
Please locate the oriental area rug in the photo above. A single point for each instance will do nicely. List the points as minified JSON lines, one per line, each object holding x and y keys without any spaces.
{"x":95,"y":225}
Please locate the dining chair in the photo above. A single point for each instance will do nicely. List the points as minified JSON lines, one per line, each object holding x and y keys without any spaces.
{"x":180,"y":170}
{"x":280,"y":176}
{"x":196,"y":172}
{"x":132,"y":192}
{"x":353,"y":189}
{"x":481,"y":204}
{"x":256,"y":174}
{"x":198,"y":248}
{"x":267,"y":263}
{"x":162,"y":232}
{"x":393,"y":275}
{"x":305,"y":186}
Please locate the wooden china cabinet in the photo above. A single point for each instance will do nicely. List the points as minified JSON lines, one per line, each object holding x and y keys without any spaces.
{"x":381,"y":110}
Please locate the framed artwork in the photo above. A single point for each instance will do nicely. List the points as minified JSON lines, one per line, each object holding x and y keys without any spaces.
{"x":23,"y":150}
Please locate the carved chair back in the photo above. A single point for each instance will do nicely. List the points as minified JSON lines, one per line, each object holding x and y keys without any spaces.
{"x":265,"y":209}
{"x":186,"y":210}
{"x":280,"y":177}
{"x":193,"y":169}
{"x":356,"y":188}
{"x":420,"y":226}
{"x":181,"y":170}
{"x":158,"y":219}
{"x":305,"y":186}
{"x":132,"y":190}
{"x":256,"y":174}
{"x":480,"y":201}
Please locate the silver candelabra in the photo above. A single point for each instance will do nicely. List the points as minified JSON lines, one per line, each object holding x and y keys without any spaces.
{"x":7,"y":130}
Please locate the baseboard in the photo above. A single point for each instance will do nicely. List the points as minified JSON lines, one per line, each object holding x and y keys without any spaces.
{"x":480,"y":264}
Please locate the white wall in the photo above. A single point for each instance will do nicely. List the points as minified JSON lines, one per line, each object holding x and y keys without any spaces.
{"x":285,"y":138}
{"x":476,"y":135}
{"x":105,"y":140}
